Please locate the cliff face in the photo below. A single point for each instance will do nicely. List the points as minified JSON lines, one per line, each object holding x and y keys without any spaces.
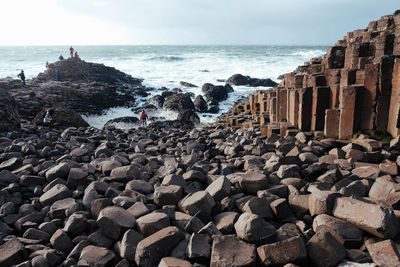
{"x":354,"y":87}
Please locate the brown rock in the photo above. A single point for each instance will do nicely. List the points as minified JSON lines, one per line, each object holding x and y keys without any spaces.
{"x":129,"y":242}
{"x":253,"y":181}
{"x":244,"y":254}
{"x":60,"y":207}
{"x":167,"y":195}
{"x":324,"y":250}
{"x":113,"y":219}
{"x":12,"y":252}
{"x":377,"y":220}
{"x":291,"y":250}
{"x":153,"y":248}
{"x":151,"y":223}
{"x":254,"y":229}
{"x":219,"y":189}
{"x":384,"y":253}
{"x":60,"y":241}
{"x":57,"y":192}
{"x":321,"y":202}
{"x":199,"y":201}
{"x":173,"y":262}
{"x":260,"y":207}
{"x":225,"y":222}
{"x":96,"y":256}
{"x":199,"y":247}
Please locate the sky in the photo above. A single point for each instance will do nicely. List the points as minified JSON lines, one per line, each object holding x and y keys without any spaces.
{"x":181,"y":22}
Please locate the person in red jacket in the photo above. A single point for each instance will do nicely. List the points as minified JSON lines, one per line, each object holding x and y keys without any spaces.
{"x":143,"y":118}
{"x":76,"y":54}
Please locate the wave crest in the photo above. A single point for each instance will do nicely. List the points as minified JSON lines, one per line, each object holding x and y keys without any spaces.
{"x":166,"y":58}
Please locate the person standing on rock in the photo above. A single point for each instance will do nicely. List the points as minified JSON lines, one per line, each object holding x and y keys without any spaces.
{"x":76,"y":54}
{"x":58,"y":75}
{"x":60,"y":57}
{"x":71,"y":51}
{"x":22,"y":76}
{"x":47,"y":117}
{"x":143,"y":118}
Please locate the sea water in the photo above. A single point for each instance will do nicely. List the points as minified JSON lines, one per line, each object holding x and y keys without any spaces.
{"x":166,"y":66}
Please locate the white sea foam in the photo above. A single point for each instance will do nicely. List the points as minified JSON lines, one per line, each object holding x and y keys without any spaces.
{"x":166,"y":66}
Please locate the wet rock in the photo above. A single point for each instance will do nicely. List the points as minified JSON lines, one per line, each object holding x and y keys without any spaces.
{"x":62,"y":117}
{"x":179,"y":102}
{"x":200,"y":104}
{"x":239,"y":79}
{"x":188,"y":116}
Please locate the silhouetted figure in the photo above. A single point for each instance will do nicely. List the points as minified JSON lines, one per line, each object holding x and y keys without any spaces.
{"x":60,"y":57}
{"x":143,"y":118}
{"x":22,"y":76}
{"x":47,"y":64}
{"x":71,"y":51}
{"x":58,"y":75}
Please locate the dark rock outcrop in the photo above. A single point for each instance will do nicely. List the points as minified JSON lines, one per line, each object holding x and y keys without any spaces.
{"x":127,"y":119}
{"x":62,"y":117}
{"x":188,"y":115}
{"x":9,"y":116}
{"x":239,"y":79}
{"x":216,"y":93}
{"x":187,"y":84}
{"x":200,"y":104}
{"x":179,"y":102}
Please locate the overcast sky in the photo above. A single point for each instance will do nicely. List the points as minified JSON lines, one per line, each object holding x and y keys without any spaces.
{"x":283,"y":22}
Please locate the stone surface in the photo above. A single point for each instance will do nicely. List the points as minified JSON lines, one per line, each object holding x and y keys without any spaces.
{"x":93,"y":255}
{"x":199,"y":201}
{"x":254,"y":229}
{"x":12,"y":252}
{"x":113,"y":219}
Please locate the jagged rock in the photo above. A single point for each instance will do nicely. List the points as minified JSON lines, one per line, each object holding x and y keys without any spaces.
{"x":216,"y":92}
{"x":199,"y":201}
{"x":61,"y":241}
{"x":200,"y":104}
{"x":9,"y":116}
{"x":188,"y":116}
{"x":167,"y":195}
{"x":124,"y":120}
{"x":254,"y":229}
{"x":384,"y":253}
{"x":12,"y":252}
{"x":187,"y":84}
{"x":98,"y":256}
{"x":239,"y":79}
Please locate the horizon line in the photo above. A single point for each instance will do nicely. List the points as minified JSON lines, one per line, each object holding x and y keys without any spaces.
{"x":33,"y":45}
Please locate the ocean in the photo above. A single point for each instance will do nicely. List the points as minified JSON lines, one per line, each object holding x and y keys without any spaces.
{"x":166,"y":66}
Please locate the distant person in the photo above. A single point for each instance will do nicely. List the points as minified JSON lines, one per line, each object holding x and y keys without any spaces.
{"x":71,"y":51}
{"x":58,"y":75}
{"x":76,"y":54}
{"x":22,"y":76}
{"x":143,"y":118}
{"x":47,"y":117}
{"x":60,"y":57}
{"x":47,"y":64}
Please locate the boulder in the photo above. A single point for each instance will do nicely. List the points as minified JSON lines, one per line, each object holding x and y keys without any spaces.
{"x":9,"y":116}
{"x":222,"y":254}
{"x":151,"y":223}
{"x":95,"y":256}
{"x":187,"y":84}
{"x":374,"y":219}
{"x":384,"y":253}
{"x":216,"y":93}
{"x":200,"y":104}
{"x":291,"y":250}
{"x":239,"y":79}
{"x":199,"y":246}
{"x":253,"y":181}
{"x":253,"y":229}
{"x":129,"y":242}
{"x":152,"y":249}
{"x":12,"y":252}
{"x":57,"y":192}
{"x":220,"y":188}
{"x":167,"y":195}
{"x":188,"y":116}
{"x":122,"y":120}
{"x":113,"y":219}
{"x":179,"y":102}
{"x":174,"y":262}
{"x":225,"y":222}
{"x":199,"y":201}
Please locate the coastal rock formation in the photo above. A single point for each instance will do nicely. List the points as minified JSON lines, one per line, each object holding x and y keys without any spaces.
{"x":354,"y":87}
{"x":9,"y":116}
{"x":179,"y":102}
{"x":88,"y":88}
{"x":62,"y":117}
{"x":239,"y":79}
{"x":216,"y":93}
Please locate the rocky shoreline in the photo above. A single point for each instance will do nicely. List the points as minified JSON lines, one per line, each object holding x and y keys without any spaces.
{"x":232,"y":193}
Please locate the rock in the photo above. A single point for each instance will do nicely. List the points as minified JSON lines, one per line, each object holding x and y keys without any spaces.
{"x":216,"y":93}
{"x":57,"y":192}
{"x":188,"y":116}
{"x":173,"y":262}
{"x":60,"y":241}
{"x":374,"y":219}
{"x":381,"y":188}
{"x":153,"y":248}
{"x":179,"y":102}
{"x":281,"y":209}
{"x":59,"y":171}
{"x":7,"y":177}
{"x":96,"y":256}
{"x":151,"y":223}
{"x":76,"y":224}
{"x":324,"y":250}
{"x":346,"y":231}
{"x":36,"y":234}
{"x":199,"y":201}
{"x":384,"y":253}
{"x":286,"y":171}
{"x":239,"y":79}
{"x":62,"y":117}
{"x":260,"y":207}
{"x":140,"y":186}
{"x":321,"y":202}
{"x":253,"y":181}
{"x":113,"y":219}
{"x":222,"y":254}
{"x":122,"y":120}
{"x":200,"y":104}
{"x":125,"y":173}
{"x":254,"y":229}
{"x":187,"y":84}
{"x":225,"y":222}
{"x":167,"y":195}
{"x":366,"y":172}
{"x":129,"y":242}
{"x":219,"y":189}
{"x":199,"y":247}
{"x":12,"y":252}
{"x":9,"y":116}
{"x":291,"y":250}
